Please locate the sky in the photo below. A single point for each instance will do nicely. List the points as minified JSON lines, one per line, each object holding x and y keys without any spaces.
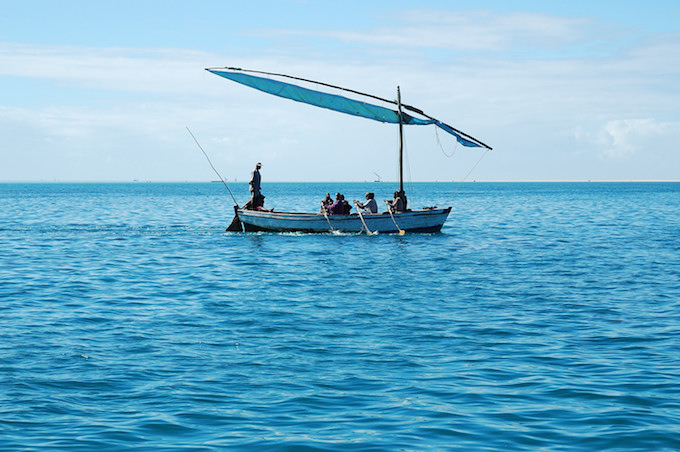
{"x":562,"y":91}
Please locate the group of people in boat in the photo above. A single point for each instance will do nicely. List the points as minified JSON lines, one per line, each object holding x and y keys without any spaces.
{"x":339,"y":206}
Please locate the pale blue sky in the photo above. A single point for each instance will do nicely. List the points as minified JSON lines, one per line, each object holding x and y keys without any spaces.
{"x":103,"y":91}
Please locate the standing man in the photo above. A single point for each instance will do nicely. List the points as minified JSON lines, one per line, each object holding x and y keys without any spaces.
{"x":255,"y":185}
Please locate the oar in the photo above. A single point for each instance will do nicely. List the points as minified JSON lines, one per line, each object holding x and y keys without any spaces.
{"x":389,"y":209}
{"x":323,"y":209}
{"x":368,"y":231}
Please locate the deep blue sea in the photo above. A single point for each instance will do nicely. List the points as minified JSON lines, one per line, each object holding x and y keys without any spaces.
{"x":544,"y":316}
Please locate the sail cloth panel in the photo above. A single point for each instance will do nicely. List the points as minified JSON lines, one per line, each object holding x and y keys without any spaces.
{"x":334,"y":102}
{"x":319,"y":99}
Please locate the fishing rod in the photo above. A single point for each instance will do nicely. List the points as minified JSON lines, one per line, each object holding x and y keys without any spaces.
{"x":211,"y":165}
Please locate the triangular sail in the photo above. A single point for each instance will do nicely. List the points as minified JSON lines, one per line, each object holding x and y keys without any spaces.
{"x":338,"y":103}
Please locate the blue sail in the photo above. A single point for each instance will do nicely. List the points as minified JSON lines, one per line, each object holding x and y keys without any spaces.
{"x":335,"y":102}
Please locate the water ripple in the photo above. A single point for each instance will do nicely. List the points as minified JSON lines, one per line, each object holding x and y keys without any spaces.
{"x":544,"y":316}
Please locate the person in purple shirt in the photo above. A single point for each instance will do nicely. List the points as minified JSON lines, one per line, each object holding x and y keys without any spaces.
{"x":338,"y":207}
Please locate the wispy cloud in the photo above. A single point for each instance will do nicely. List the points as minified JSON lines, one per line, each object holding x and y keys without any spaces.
{"x":622,"y":138}
{"x":125,"y":69}
{"x":454,"y":31}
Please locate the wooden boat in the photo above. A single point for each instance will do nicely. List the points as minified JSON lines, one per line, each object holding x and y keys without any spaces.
{"x":421,"y":220}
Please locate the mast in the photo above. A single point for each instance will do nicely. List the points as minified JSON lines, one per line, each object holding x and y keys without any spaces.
{"x":401,"y":143}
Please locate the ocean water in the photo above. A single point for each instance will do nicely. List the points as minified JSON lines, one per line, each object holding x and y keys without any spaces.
{"x":544,"y":316}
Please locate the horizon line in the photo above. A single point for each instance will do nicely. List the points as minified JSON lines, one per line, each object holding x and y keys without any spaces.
{"x":136,"y":181}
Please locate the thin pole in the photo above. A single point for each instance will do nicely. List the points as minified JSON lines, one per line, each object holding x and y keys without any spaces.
{"x":401,"y":231}
{"x":323,"y":209}
{"x":401,"y":144}
{"x":368,"y":231}
{"x":211,"y":165}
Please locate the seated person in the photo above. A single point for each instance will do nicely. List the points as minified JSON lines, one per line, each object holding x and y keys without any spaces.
{"x":398,"y":203}
{"x":337,"y":208}
{"x":327,"y":201}
{"x":370,"y":206}
{"x":257,"y":205}
{"x":345,"y":206}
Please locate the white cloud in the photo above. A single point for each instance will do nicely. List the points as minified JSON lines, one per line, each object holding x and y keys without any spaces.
{"x":619,"y":139}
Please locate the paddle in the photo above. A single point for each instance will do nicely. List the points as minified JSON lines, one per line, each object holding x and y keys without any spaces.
{"x":323,"y":209}
{"x":389,"y":209}
{"x":368,"y":231}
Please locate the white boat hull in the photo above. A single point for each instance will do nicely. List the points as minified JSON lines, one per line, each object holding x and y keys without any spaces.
{"x":426,"y":220}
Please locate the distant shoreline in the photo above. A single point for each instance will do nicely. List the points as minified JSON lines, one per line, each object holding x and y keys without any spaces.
{"x":347,"y":182}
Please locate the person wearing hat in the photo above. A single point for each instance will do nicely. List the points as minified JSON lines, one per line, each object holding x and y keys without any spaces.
{"x":255,"y":186}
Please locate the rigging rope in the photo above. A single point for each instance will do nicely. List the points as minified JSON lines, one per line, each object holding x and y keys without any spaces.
{"x":407,"y":167}
{"x":455,"y":148}
{"x":455,"y":190}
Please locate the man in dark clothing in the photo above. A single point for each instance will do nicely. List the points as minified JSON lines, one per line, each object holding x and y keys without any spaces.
{"x":345,"y":205}
{"x":398,"y":203}
{"x":254,"y":183}
{"x":404,"y":201}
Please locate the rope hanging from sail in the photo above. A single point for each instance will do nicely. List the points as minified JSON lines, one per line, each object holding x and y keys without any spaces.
{"x":441,"y":147}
